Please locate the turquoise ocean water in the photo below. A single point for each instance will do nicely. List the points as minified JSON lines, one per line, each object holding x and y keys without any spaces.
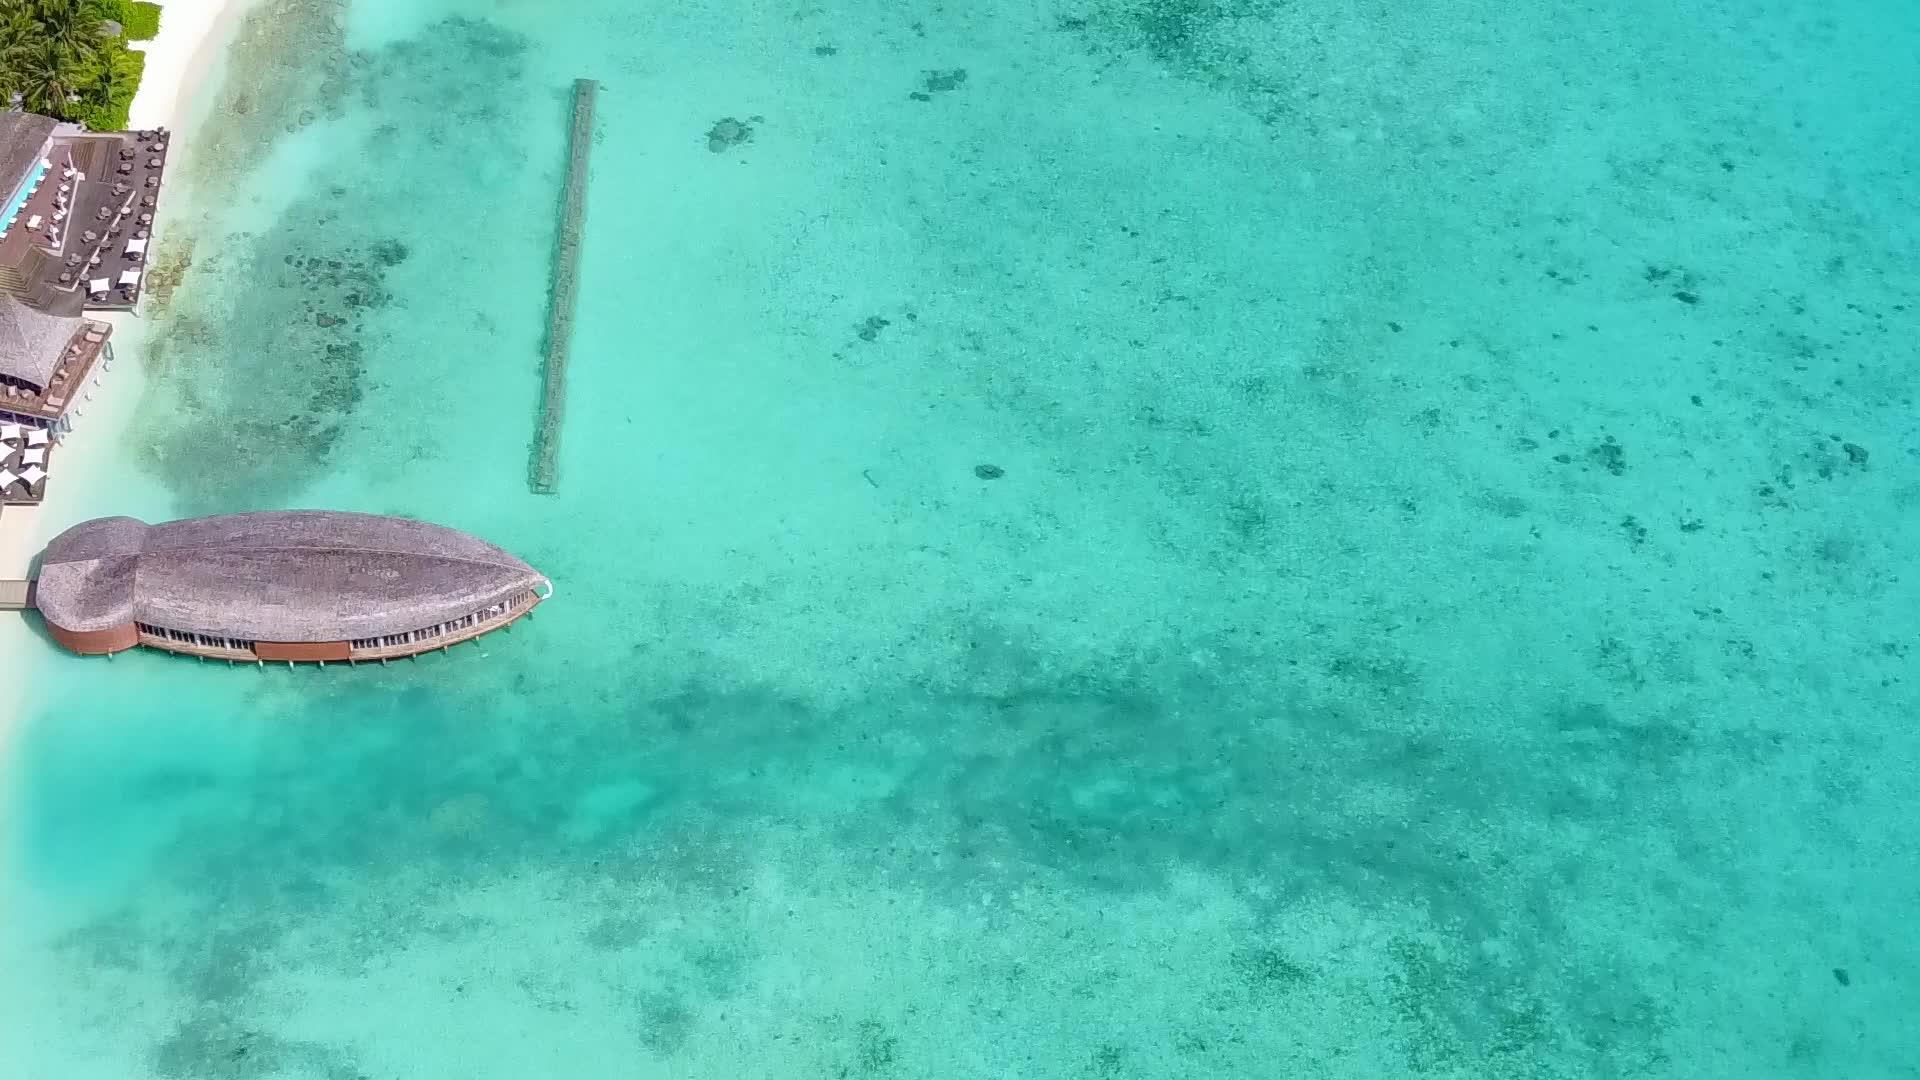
{"x":1446,"y":605}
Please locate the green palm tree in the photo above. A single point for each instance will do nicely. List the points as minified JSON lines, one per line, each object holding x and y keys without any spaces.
{"x":53,"y":51}
{"x":18,"y":32}
{"x":46,"y":79}
{"x":117,"y":75}
{"x":72,"y":26}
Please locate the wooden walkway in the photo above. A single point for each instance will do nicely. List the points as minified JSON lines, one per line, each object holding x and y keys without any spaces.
{"x":542,"y":476}
{"x":16,"y":595}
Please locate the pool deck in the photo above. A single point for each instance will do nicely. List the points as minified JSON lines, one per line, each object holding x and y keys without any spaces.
{"x":106,"y":188}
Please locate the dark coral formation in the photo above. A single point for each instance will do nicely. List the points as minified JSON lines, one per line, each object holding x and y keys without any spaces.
{"x":939,"y":82}
{"x":727,"y":133}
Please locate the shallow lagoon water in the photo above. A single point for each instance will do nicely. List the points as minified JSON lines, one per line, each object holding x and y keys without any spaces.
{"x":1445,"y":606}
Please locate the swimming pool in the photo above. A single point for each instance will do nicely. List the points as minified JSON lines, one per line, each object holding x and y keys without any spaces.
{"x":20,"y":197}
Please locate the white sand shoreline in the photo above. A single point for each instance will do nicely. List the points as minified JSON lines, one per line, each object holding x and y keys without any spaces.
{"x":179,"y":59}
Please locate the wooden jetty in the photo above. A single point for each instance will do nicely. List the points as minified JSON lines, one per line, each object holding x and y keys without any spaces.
{"x":542,"y":476}
{"x":16,"y":595}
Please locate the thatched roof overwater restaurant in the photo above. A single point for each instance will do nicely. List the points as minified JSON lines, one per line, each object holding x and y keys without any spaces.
{"x":31,"y":342}
{"x":283,"y":585}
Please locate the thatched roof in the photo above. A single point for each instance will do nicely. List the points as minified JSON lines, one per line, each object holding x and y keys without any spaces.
{"x":297,"y":575}
{"x":31,"y":341}
{"x":22,"y":136}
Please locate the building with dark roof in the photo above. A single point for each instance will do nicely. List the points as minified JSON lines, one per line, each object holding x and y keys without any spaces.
{"x":44,"y":361}
{"x":31,"y":341}
{"x":298,"y":585}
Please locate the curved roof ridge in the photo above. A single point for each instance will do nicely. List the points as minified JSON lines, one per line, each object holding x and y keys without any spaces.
{"x":514,"y":562}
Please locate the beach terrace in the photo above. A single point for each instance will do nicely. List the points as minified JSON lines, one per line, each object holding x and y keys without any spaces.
{"x":77,"y":224}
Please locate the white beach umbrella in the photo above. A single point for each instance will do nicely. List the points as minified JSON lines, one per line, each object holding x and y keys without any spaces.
{"x":7,"y":480}
{"x":33,"y":474}
{"x":129,"y":277}
{"x":34,"y":457}
{"x":98,"y":285}
{"x":12,"y":433}
{"x":36,"y":436}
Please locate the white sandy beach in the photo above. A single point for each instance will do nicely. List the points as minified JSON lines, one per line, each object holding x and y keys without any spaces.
{"x":192,"y":33}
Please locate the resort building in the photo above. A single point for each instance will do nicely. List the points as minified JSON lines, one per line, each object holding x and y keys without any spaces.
{"x":44,"y":360}
{"x":298,"y":585}
{"x":75,"y":225}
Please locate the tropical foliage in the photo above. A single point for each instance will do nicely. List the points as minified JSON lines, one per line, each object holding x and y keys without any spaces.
{"x":141,"y":20}
{"x":64,"y":58}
